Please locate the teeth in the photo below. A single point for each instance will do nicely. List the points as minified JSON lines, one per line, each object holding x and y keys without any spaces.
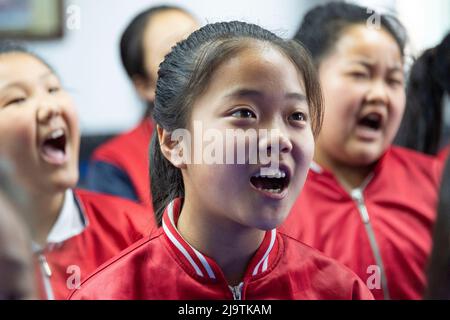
{"x":57,"y":133}
{"x":278,"y":174}
{"x":273,"y":190}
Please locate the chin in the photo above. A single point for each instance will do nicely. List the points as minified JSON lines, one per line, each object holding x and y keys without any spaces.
{"x":272,"y":221}
{"x":367,"y":155}
{"x":69,"y":181}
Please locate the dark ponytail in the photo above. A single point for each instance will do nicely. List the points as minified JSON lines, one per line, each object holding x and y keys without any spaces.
{"x":439,"y":264}
{"x":185,"y":73}
{"x":429,"y":79}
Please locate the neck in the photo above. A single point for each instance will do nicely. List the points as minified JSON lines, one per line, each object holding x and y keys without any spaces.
{"x":45,"y":211}
{"x":230,"y":244}
{"x":349,"y":176}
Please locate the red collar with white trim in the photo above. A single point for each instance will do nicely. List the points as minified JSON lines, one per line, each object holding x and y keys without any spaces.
{"x":205,"y":267}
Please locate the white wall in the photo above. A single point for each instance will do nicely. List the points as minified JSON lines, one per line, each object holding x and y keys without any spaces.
{"x":88,"y":59}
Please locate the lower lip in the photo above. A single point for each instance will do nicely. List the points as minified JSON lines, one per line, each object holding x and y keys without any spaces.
{"x":271,"y":195}
{"x":367,"y":134}
{"x":56,"y":158}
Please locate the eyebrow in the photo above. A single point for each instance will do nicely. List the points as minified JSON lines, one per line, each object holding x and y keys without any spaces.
{"x":20,"y":84}
{"x":256,"y":94}
{"x":369,"y":65}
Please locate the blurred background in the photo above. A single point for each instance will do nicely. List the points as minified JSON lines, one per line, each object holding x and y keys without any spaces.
{"x":80,"y":39}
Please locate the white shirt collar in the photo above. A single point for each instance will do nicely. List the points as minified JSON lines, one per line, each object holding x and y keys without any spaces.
{"x":314,"y":166}
{"x":71,"y":221}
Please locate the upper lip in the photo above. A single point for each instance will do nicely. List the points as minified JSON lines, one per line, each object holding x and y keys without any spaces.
{"x":381,"y":112}
{"x":50,"y":133}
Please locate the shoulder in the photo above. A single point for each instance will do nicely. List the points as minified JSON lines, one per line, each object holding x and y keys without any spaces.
{"x":103,"y":207}
{"x":328,"y":278}
{"x":135,"y":137}
{"x":115,"y":278}
{"x":414,"y":164}
{"x":402,"y":153}
{"x":106,"y":201}
{"x":297,"y":250}
{"x":443,"y":154}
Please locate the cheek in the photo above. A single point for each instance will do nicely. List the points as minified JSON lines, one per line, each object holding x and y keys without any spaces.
{"x":72,"y":121}
{"x":303,"y":151}
{"x":398,"y":105}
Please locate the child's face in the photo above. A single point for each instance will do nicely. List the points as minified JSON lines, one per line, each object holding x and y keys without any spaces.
{"x":38,"y":125}
{"x":258,"y":89}
{"x":363,"y":87}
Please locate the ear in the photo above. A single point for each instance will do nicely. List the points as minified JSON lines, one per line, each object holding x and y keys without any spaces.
{"x":145,"y":88}
{"x":171,"y":149}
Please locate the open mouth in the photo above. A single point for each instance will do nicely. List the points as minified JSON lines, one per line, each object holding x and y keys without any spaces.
{"x":54,"y":147}
{"x":371,"y":121}
{"x":275,"y":183}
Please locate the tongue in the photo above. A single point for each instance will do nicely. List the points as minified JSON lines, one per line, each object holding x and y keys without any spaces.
{"x":54,"y":155}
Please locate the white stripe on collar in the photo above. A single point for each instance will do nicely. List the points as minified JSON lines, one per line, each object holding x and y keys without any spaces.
{"x":182,"y":250}
{"x":265,"y":259}
{"x":200,"y":256}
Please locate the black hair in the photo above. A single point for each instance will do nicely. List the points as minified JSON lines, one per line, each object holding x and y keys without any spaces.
{"x":323,"y":25}
{"x":439,"y":263}
{"x":185,"y":72}
{"x":11,"y":46}
{"x":429,"y":79}
{"x":132,"y":44}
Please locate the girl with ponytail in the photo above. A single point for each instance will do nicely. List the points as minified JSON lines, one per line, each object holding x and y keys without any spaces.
{"x":218,"y":237}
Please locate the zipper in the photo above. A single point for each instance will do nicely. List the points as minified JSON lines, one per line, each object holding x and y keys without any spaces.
{"x":237,"y":291}
{"x":46,"y":273}
{"x":358,"y":197}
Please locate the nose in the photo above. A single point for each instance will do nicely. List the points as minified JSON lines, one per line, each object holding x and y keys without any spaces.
{"x":276,"y":141}
{"x":378,"y":93}
{"x":47,"y":110}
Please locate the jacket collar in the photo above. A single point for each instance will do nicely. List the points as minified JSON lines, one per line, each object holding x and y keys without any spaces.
{"x":202,"y":265}
{"x":71,"y":222}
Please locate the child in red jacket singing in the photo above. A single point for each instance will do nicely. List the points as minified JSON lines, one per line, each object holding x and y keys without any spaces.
{"x":73,"y":231}
{"x":219,"y":94}
{"x":366,"y":203}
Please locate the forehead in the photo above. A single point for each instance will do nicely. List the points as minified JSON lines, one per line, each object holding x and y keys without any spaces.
{"x":20,"y":67}
{"x":261,"y":67}
{"x":166,"y":28}
{"x":374,"y":44}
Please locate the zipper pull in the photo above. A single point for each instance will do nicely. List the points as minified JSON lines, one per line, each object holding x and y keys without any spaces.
{"x":45,"y":265}
{"x":357,"y":196}
{"x":237,"y":291}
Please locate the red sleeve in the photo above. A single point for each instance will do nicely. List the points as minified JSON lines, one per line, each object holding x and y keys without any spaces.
{"x":360,"y":291}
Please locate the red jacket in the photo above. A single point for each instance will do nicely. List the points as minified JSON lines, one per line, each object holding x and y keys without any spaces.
{"x":113,"y":224}
{"x":164,"y":266}
{"x":121,"y":166}
{"x":398,"y":206}
{"x":443,"y":154}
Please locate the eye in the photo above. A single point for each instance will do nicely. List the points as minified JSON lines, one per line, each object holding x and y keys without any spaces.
{"x":298,"y":116}
{"x":243,"y":114}
{"x":359,"y":75}
{"x":15,"y":101}
{"x":53,"y":89}
{"x":395,"y":82}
